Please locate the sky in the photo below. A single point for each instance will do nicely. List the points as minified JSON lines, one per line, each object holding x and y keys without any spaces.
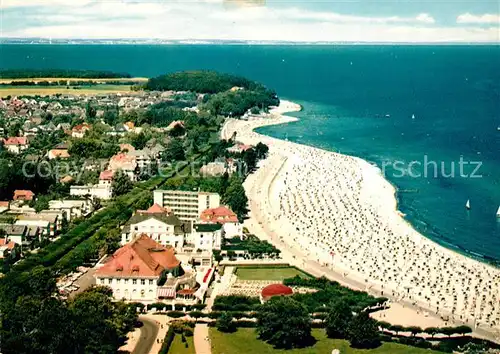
{"x":255,"y":20}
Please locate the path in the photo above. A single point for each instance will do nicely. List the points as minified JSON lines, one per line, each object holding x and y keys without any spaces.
{"x":202,"y":343}
{"x":149,"y":332}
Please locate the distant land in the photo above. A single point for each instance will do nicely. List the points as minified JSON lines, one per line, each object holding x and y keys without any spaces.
{"x":158,"y":41}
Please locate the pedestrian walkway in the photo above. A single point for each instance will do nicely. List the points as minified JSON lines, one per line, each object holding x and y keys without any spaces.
{"x":202,"y":342}
{"x":161,"y":321}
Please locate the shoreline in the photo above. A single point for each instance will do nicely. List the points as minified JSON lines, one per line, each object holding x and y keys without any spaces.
{"x":374,"y":204}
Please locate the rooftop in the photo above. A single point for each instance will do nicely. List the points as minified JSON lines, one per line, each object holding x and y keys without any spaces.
{"x":142,"y":257}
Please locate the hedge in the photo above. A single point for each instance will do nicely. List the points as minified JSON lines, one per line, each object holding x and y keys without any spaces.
{"x":176,"y":314}
{"x":167,"y":342}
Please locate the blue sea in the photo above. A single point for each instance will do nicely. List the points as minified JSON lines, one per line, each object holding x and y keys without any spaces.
{"x":426,"y":115}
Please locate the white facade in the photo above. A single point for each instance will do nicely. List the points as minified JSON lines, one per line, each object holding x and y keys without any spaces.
{"x":187,"y":206}
{"x":232,"y":229}
{"x":100,"y":191}
{"x":16,"y":149}
{"x":206,"y":237}
{"x":71,"y":208}
{"x":131,"y":289}
{"x":158,"y":230}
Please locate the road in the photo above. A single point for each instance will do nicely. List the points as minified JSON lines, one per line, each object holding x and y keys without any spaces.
{"x":149,"y":332}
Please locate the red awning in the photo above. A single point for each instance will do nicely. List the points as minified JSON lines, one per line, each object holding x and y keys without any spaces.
{"x":165,"y":292}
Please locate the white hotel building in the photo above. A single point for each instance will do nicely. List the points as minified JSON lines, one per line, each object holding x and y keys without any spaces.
{"x":187,"y":206}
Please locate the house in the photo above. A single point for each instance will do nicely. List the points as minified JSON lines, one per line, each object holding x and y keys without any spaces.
{"x":66,"y":179}
{"x":176,"y":124}
{"x":25,"y":195}
{"x":239,"y":148}
{"x":58,"y":153}
{"x":4,"y":205}
{"x":79,"y":130}
{"x":213,"y":169}
{"x":106,"y":177}
{"x":145,"y":157}
{"x":100,"y":191}
{"x":20,"y":234}
{"x":71,"y":208}
{"x":129,"y":126}
{"x":16,"y":145}
{"x":126,"y":148}
{"x":158,"y":223}
{"x":148,"y":272}
{"x":207,"y":237}
{"x":47,"y":222}
{"x":126,"y":163}
{"x":226,"y":217}
{"x":6,"y":247}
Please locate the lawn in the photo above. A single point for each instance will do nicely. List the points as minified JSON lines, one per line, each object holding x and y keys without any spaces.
{"x":265,"y":273}
{"x":177,"y":347}
{"x":46,"y":91}
{"x":245,"y":341}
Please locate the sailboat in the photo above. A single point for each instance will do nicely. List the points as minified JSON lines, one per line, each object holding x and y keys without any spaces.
{"x":498,"y":212}
{"x":412,"y":116}
{"x":467,"y":205}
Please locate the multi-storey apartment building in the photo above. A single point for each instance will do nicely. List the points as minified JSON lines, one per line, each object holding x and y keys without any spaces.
{"x":187,"y":206}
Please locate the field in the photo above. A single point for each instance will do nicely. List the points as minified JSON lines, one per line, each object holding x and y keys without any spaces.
{"x":245,"y":341}
{"x":126,"y":79}
{"x":267,"y":273}
{"x":177,"y":347}
{"x":46,"y":91}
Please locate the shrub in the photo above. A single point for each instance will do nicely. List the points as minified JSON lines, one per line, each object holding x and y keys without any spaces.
{"x":176,"y":314}
{"x":196,"y":314}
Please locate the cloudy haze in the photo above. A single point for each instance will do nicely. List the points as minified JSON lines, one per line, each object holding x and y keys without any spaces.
{"x":353,"y":21}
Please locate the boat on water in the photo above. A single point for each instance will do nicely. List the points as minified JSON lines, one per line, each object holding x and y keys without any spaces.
{"x":388,"y":116}
{"x":467,"y":205}
{"x":412,"y":116}
{"x":498,"y":212}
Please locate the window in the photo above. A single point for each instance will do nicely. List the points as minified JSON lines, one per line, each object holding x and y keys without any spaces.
{"x":110,"y":281}
{"x":102,"y":281}
{"x":125,"y":281}
{"x":142,"y":293}
{"x":134,"y":282}
{"x":118,"y":281}
{"x":143,"y":281}
{"x":151,"y":282}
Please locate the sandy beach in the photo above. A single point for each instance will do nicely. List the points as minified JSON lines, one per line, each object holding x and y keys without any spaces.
{"x":335,"y":215}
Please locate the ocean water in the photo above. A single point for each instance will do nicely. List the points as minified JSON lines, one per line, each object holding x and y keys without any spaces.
{"x":435,"y":108}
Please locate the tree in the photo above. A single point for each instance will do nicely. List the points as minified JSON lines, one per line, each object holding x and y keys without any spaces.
{"x":363,"y":331}
{"x":261,"y":150}
{"x":225,"y":323}
{"x":397,"y":329}
{"x":90,"y":111}
{"x":250,"y":158}
{"x":41,"y":203}
{"x":414,"y":330}
{"x":174,"y":151}
{"x":121,"y":184}
{"x":284,"y":323}
{"x":139,"y":141}
{"x":338,"y":319}
{"x":235,"y":197}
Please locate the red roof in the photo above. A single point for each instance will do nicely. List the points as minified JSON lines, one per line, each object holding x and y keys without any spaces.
{"x":186,"y":291}
{"x":81,"y":127}
{"x":4,"y":204}
{"x":143,"y":257}
{"x":16,"y":140}
{"x":276,"y":290}
{"x":10,"y":245}
{"x":220,"y":215}
{"x":155,"y":209}
{"x":106,"y":175}
{"x":20,"y":194}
